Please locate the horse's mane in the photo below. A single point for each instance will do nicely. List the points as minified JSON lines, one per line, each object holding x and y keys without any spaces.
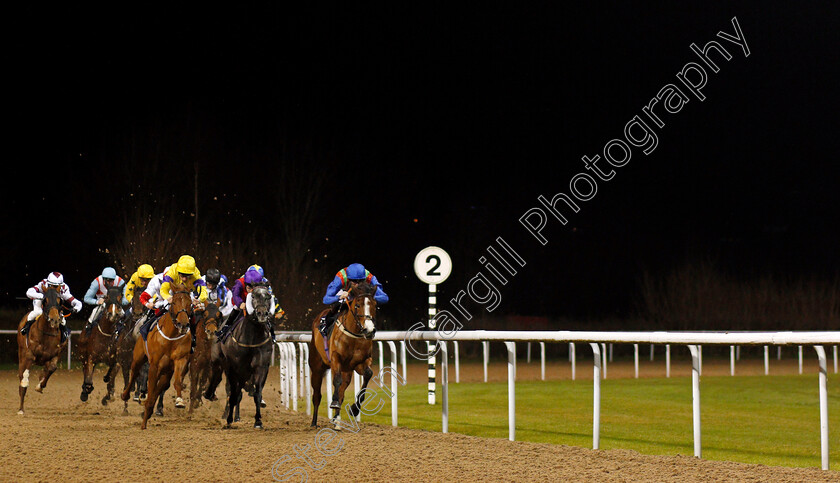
{"x":364,"y":288}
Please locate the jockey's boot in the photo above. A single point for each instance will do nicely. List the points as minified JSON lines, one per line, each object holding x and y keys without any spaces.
{"x":65,"y":332}
{"x":192,"y":344}
{"x":327,"y":320}
{"x":26,"y":326}
{"x":270,"y":328}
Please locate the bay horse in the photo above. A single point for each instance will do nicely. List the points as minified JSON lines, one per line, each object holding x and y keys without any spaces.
{"x":245,"y":355}
{"x":125,"y":355}
{"x":349,"y":349}
{"x":125,"y":351}
{"x":100,"y":345}
{"x":42,"y":344}
{"x":207,"y":322}
{"x":167,"y":349}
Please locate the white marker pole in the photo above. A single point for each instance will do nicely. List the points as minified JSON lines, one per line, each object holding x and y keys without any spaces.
{"x":429,"y":345}
{"x":432,"y":266}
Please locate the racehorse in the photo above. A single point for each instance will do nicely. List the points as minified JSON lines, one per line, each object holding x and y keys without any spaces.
{"x":167,"y":349}
{"x":206,"y":324}
{"x":245,"y":354}
{"x":350,"y":344}
{"x":100,"y":345}
{"x":42,"y":344}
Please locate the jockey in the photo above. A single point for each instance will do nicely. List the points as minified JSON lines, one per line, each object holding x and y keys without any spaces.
{"x":153,"y":301}
{"x":139,"y":280}
{"x":217,"y":291}
{"x":241,"y":288}
{"x":185,"y":273}
{"x":338,"y":289}
{"x":97,"y":291}
{"x":36,"y":294}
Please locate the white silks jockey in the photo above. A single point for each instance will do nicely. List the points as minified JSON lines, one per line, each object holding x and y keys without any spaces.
{"x":36,"y":294}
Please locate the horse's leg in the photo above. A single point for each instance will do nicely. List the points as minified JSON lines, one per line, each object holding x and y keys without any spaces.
{"x":317,"y":368}
{"x":233,"y":398}
{"x":138,"y":361}
{"x":167,"y":377}
{"x":110,"y":380}
{"x":367,"y":373}
{"x":337,"y":382}
{"x":49,"y":368}
{"x":259,"y":381}
{"x":346,"y":378}
{"x":24,"y":365}
{"x":143,"y":383}
{"x":154,"y":388}
{"x":180,"y":371}
{"x":87,"y":385}
{"x":159,"y":407}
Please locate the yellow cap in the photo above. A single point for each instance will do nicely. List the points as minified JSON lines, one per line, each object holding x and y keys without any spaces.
{"x":186,"y":265}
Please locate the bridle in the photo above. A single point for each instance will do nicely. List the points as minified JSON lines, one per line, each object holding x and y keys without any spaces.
{"x":357,"y":317}
{"x":174,"y":316}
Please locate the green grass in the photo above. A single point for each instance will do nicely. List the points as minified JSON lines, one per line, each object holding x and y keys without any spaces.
{"x":771,"y":420}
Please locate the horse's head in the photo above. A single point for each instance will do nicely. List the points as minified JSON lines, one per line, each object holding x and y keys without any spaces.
{"x":211,"y":319}
{"x":260,"y":304}
{"x":363,"y":307}
{"x":52,"y":306}
{"x":180,"y":308}
{"x":113,"y":308}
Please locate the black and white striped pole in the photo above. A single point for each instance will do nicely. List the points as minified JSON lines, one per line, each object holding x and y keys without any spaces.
{"x":432,"y":266}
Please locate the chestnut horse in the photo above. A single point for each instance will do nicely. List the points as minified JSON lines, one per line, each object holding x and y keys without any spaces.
{"x":245,"y":355}
{"x":206,"y":324}
{"x":100,"y":345}
{"x":167,"y":349}
{"x":350,"y":345}
{"x":42,"y":344}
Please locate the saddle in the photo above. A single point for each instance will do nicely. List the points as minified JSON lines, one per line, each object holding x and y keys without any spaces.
{"x":149,"y":324}
{"x":225,"y":332}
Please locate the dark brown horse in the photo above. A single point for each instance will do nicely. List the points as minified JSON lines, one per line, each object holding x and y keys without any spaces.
{"x":42,"y":344}
{"x":207,"y":323}
{"x":350,"y":345}
{"x":167,"y":349}
{"x":100,"y":345}
{"x":245,"y":355}
{"x":125,"y":350}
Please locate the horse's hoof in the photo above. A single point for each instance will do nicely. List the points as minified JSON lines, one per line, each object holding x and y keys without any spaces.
{"x":236,"y":419}
{"x":158,"y":413}
{"x":20,"y":412}
{"x":39,"y":389}
{"x":143,"y":396}
{"x":179,"y":403}
{"x":107,"y":378}
{"x":105,"y":401}
{"x":262,"y":403}
{"x":83,"y":397}
{"x":334,"y":405}
{"x":258,"y":426}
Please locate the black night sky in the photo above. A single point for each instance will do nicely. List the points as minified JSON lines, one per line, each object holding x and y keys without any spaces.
{"x":456,"y":115}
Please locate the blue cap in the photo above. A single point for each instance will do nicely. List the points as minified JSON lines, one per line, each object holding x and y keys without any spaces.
{"x":109,"y":273}
{"x":356,"y":271}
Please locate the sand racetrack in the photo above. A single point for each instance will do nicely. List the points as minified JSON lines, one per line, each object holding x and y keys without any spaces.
{"x":63,"y":439}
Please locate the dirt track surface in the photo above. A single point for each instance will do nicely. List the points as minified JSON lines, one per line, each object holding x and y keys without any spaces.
{"x":63,"y":439}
